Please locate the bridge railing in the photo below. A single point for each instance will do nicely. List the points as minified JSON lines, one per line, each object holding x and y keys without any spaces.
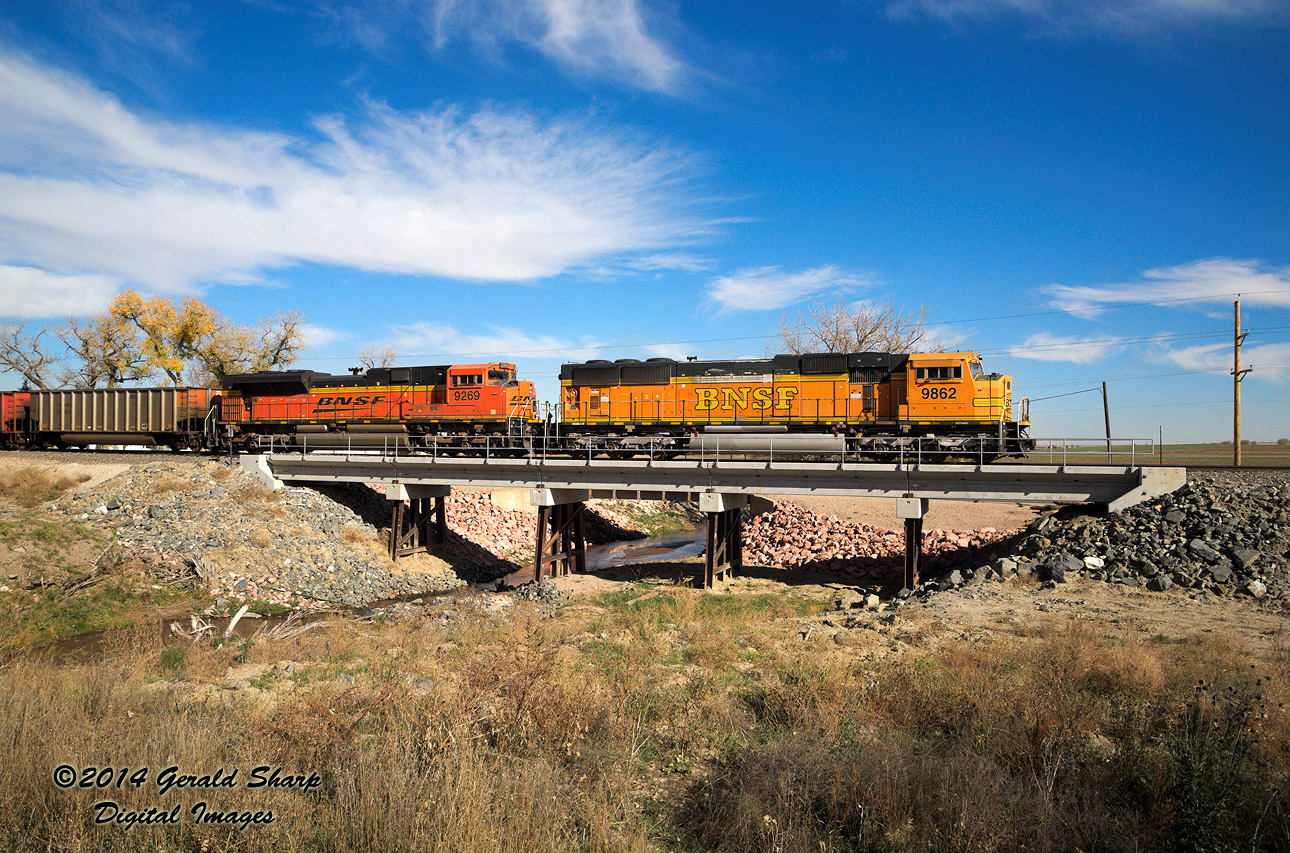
{"x":714,"y":449}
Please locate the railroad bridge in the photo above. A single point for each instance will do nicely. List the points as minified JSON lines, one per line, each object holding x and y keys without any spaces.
{"x":559,"y":487}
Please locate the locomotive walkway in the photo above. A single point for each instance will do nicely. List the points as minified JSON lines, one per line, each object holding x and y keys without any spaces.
{"x":722,"y":487}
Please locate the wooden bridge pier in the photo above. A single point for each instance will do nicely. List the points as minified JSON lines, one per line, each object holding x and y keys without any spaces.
{"x":912,"y":510}
{"x":725,"y":552}
{"x":416,"y":526}
{"x":561,"y":540}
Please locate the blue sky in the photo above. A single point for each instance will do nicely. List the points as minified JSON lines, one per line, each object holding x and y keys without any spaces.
{"x":1077,"y":190}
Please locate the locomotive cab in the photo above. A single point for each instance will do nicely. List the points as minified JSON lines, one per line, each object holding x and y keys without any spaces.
{"x":952,"y":388}
{"x":489,"y":390}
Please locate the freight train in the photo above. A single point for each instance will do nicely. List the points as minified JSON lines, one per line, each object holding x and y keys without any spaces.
{"x":870,"y":404}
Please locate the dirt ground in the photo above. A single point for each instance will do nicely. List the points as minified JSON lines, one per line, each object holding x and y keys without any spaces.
{"x":73,"y":466}
{"x":975,"y":613}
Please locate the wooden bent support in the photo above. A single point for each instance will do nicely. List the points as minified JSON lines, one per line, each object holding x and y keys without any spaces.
{"x":411,"y":528}
{"x":561,"y":540}
{"x":725,"y":551}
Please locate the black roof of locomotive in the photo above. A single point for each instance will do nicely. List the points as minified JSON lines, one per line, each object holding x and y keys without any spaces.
{"x":602,"y":372}
{"x":289,"y":382}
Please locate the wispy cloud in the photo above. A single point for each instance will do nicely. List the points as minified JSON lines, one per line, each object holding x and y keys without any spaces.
{"x":317,"y":337}
{"x":596,"y":39}
{"x":679,"y":352}
{"x":947,"y":338}
{"x":1125,"y":18}
{"x":501,"y":342}
{"x":131,"y":36}
{"x":1268,"y":362}
{"x":1215,"y":279}
{"x":1045,"y":346}
{"x":670,"y":261}
{"x":31,"y":292}
{"x":493,"y":195}
{"x":765,"y":288}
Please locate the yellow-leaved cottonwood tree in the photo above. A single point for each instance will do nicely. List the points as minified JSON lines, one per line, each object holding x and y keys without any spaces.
{"x":137,"y":339}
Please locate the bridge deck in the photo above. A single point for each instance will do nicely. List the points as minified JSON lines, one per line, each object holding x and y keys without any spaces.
{"x":1116,"y":485}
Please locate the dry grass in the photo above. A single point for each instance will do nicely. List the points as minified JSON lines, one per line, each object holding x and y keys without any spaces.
{"x":259,"y":500}
{"x":353,"y":534}
{"x":1065,"y":740}
{"x":30,"y":486}
{"x":665,"y":719}
{"x":169,"y":483}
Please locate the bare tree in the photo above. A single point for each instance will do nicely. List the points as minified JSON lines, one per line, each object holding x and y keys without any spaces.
{"x":25,"y":355}
{"x":107,"y":350}
{"x":863,"y":327}
{"x":281,"y":339}
{"x":372,"y":356}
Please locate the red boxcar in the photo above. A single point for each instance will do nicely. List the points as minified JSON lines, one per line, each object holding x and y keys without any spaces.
{"x":14,"y":406}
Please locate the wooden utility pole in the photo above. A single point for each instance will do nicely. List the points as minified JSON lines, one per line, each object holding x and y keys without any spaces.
{"x":1106,"y":413}
{"x":1237,"y":375}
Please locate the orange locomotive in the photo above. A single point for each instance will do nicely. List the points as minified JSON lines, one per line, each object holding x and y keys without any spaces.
{"x":885,"y":401}
{"x":383,"y":406}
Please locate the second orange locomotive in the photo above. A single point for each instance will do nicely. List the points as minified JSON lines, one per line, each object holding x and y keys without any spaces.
{"x":945,"y":401}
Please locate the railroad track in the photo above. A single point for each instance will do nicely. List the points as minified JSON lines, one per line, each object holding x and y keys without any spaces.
{"x":1285,"y":468}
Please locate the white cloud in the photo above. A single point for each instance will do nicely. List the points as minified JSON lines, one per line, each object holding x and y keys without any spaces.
{"x":610,"y":39}
{"x":1132,"y":18}
{"x":425,"y":339}
{"x":31,"y":292}
{"x":490,"y":195}
{"x":1044,"y":346}
{"x":317,"y":337}
{"x":764,"y":288}
{"x":1268,"y":362}
{"x":948,"y":338}
{"x":1214,"y":279}
{"x":677,"y":352}
{"x":670,"y":261}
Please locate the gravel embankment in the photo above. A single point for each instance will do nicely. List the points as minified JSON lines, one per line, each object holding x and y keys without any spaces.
{"x":1217,"y":536}
{"x":299,"y":548}
{"x":303,"y":548}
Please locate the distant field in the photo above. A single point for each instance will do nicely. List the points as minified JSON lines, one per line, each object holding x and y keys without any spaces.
{"x":1174,"y":454}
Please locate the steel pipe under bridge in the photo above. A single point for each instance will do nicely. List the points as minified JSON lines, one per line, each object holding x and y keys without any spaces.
{"x":723,"y":486}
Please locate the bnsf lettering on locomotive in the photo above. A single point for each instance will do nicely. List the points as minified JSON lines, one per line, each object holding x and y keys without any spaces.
{"x":361,"y":400}
{"x":756,"y":398}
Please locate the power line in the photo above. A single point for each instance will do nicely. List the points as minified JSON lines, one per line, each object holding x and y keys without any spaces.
{"x":1067,"y":394}
{"x":1161,"y":405}
{"x":561,"y":349}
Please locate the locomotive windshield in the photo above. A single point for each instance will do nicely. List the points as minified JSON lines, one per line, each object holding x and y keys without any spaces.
{"x":977,"y":372}
{"x":501,"y":377}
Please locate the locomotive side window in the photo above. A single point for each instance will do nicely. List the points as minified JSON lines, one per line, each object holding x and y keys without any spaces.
{"x":468,"y":379}
{"x":942,"y":373}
